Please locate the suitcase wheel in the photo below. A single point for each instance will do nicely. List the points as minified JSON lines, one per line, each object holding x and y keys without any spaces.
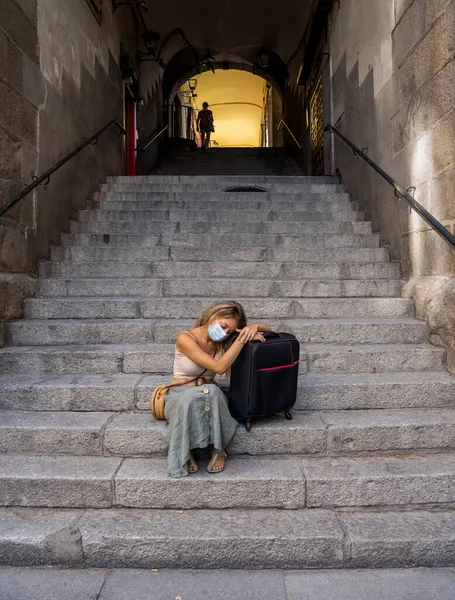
{"x":248,"y":424}
{"x":287,"y":415}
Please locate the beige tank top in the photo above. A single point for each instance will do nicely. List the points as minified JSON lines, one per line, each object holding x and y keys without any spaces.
{"x":185,"y":368}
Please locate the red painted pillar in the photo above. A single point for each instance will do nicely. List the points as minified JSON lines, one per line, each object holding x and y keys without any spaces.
{"x":131,"y":142}
{"x":124,"y":127}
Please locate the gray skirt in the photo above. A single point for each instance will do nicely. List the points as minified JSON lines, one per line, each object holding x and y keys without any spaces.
{"x":195,"y":419}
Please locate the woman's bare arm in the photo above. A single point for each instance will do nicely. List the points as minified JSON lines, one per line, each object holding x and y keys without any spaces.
{"x":190,"y":348}
{"x":250,"y":331}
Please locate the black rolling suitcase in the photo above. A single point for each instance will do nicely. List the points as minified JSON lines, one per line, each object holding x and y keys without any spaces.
{"x":264,"y":378}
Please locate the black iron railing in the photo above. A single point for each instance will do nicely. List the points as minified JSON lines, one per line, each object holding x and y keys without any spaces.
{"x":400,"y":191}
{"x":45,"y":177}
{"x":154,"y":137}
{"x":282,"y":124}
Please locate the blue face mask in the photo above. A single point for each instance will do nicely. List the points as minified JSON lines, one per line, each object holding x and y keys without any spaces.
{"x":217,"y":333}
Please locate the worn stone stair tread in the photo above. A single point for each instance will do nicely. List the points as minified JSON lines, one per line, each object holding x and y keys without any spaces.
{"x":218,"y":186}
{"x":307,"y":195}
{"x":177,"y":178}
{"x":332,"y":358}
{"x":79,"y":254}
{"x":116,"y":270}
{"x":138,"y":434}
{"x":157,"y":358}
{"x":142,"y":226}
{"x":263,"y":538}
{"x":113,"y":331}
{"x":90,"y":307}
{"x":166,"y":347}
{"x":165,"y":287}
{"x":281,"y":322}
{"x":248,"y":482}
{"x":240,"y":240}
{"x":276,"y":188}
{"x":316,"y":432}
{"x":127,"y":392}
{"x":223,"y":211}
{"x":214,"y":278}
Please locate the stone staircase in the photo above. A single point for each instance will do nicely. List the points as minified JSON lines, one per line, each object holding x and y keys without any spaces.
{"x":181,"y":160}
{"x":367,"y":464}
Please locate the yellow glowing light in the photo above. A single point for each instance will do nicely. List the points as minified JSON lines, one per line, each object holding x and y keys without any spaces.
{"x":235,"y":98}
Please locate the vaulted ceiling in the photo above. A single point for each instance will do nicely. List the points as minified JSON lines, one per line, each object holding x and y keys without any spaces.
{"x":230,"y":26}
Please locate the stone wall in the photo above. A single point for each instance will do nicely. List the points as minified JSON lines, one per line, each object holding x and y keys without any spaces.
{"x":60,"y":82}
{"x":391,"y":74}
{"x":21,"y":95}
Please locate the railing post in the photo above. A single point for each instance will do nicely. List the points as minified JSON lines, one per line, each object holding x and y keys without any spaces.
{"x":131,"y":143}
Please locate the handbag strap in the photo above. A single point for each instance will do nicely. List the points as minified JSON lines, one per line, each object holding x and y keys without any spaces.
{"x":168,"y":387}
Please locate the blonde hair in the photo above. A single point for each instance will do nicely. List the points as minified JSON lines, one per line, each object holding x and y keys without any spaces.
{"x":228,"y":309}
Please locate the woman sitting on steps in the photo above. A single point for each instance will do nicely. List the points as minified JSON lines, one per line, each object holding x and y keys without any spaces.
{"x":197,"y":414}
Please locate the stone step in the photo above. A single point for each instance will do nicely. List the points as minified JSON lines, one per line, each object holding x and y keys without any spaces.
{"x":130,"y":331}
{"x":220,"y":240}
{"x":187,"y":308}
{"x":252,"y":270}
{"x":215,"y":199}
{"x":158,"y":358}
{"x":149,"y":287}
{"x":235,"y":180}
{"x":144,"y":226}
{"x":188,"y":197}
{"x":219,"y":186}
{"x":316,"y":433}
{"x":261,"y":255}
{"x":120,"y":392}
{"x":226,"y":212}
{"x":262,"y":538}
{"x":369,"y":358}
{"x":247,"y":482}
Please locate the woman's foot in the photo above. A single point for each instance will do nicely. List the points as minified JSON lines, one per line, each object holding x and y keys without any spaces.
{"x":216,"y":462}
{"x":192,"y":465}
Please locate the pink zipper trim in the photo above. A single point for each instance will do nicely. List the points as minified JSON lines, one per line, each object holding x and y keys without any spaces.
{"x":282,"y":367}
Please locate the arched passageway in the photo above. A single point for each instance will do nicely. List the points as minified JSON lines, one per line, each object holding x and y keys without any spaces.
{"x":245,"y":107}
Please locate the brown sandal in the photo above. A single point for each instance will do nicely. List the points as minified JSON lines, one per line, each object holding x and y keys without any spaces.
{"x":192,"y":465}
{"x":215,"y":455}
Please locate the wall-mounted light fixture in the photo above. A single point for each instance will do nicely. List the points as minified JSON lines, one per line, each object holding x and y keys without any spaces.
{"x":264,"y":60}
{"x":152,"y":41}
{"x":192,"y":84}
{"x":139,"y":3}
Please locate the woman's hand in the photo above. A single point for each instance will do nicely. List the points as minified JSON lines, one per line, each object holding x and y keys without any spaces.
{"x":259,"y":337}
{"x":248,"y":333}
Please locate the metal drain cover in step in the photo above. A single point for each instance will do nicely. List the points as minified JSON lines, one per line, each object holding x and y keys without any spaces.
{"x":245,"y":189}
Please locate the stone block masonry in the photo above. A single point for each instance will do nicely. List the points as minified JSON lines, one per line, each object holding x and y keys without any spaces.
{"x":60,"y":82}
{"x":406,"y":121}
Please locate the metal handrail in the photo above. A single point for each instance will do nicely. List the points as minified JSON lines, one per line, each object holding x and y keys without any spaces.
{"x":45,"y":177}
{"x":152,"y":139}
{"x":279,"y":128}
{"x":400,"y":192}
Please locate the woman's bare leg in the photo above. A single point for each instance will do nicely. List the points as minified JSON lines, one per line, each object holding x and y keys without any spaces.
{"x":205,"y":136}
